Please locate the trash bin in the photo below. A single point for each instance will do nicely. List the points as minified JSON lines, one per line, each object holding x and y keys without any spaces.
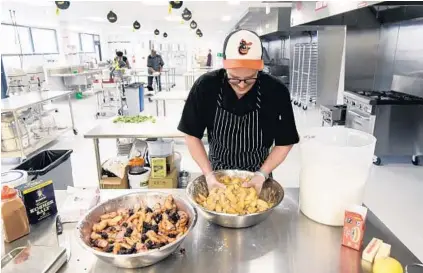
{"x":50,"y":165}
{"x":135,"y":98}
{"x":335,"y":164}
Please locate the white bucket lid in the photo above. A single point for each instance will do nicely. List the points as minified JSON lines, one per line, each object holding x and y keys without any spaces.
{"x":14,"y":178}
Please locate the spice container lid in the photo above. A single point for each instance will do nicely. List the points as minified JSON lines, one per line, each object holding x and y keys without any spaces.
{"x":7,"y":192}
{"x":14,"y":178}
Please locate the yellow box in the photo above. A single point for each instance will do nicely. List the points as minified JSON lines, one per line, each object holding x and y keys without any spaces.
{"x":158,"y":167}
{"x":168,"y":182}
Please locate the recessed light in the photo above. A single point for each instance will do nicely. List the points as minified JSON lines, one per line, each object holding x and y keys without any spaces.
{"x":173,"y":18}
{"x":220,"y":31}
{"x":226,"y":18}
{"x":234,"y":2}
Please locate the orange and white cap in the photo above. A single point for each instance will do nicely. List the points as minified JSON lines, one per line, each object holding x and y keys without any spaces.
{"x":243,"y":49}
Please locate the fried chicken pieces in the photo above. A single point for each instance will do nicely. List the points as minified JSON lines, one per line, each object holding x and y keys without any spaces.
{"x":235,"y":199}
{"x":136,"y":230}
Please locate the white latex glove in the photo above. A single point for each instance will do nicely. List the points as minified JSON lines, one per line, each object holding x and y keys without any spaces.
{"x":212,"y":182}
{"x":256,"y":181}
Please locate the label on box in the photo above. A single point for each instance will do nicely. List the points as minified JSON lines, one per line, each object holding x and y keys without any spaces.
{"x":354,"y":227}
{"x":158,"y":167}
{"x":39,"y":200}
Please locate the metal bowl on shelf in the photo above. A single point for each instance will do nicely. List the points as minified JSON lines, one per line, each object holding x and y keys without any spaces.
{"x":272,"y":192}
{"x":150,"y":257}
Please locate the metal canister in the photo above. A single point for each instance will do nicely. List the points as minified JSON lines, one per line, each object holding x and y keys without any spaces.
{"x":184,"y":177}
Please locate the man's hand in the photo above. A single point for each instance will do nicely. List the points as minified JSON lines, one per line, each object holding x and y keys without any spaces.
{"x":256,"y":181}
{"x":212,"y":182}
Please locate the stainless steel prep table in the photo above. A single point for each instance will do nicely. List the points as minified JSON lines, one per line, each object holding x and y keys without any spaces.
{"x":285,"y":242}
{"x":162,"y":128}
{"x":15,"y":103}
{"x":165,"y":96}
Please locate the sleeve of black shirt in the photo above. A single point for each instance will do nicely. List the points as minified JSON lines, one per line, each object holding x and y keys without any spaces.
{"x":193,"y":120}
{"x":285,"y":129}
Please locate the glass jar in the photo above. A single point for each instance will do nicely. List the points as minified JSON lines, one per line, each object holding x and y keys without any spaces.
{"x":13,"y":214}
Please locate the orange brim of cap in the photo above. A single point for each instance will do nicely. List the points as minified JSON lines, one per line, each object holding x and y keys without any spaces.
{"x":237,"y":63}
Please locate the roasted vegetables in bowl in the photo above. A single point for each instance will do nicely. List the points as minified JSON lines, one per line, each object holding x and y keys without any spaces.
{"x":138,"y":229}
{"x":235,"y":206}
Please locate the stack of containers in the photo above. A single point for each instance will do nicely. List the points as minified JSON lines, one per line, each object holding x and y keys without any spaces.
{"x":162,"y":161}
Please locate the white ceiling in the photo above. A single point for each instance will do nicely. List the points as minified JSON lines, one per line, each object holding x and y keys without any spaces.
{"x":151,"y":14}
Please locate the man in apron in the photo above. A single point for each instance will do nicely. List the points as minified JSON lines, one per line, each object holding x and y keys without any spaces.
{"x":245,"y":112}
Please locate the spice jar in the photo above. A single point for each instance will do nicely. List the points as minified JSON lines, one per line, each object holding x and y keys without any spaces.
{"x":13,"y":214}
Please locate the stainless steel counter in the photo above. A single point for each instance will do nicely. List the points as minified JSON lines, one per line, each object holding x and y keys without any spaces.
{"x":286,"y":242}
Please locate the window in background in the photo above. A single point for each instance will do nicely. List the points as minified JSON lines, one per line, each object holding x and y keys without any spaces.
{"x":10,"y":42}
{"x":87,"y":42}
{"x":45,"y":40}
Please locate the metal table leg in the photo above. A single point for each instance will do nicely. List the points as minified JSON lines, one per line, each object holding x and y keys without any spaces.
{"x":97,"y":158}
{"x":157,"y":107}
{"x":18,"y":130}
{"x":164,"y":107}
{"x":75,"y":132}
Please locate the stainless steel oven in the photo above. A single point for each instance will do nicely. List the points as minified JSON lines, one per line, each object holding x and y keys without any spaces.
{"x":360,"y":121}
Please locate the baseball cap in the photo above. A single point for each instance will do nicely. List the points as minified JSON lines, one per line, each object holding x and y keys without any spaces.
{"x":243,"y":49}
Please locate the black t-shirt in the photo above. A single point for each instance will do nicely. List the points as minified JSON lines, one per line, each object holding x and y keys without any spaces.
{"x":276,"y":117}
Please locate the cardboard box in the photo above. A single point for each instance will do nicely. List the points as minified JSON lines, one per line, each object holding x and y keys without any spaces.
{"x":162,"y":166}
{"x":108,"y":182}
{"x":168,"y":182}
{"x":354,"y":227}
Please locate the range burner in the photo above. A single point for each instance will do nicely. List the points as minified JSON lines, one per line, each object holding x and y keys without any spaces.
{"x":385,"y":96}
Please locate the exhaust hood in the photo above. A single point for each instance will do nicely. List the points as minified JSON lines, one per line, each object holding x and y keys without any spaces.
{"x":356,"y":14}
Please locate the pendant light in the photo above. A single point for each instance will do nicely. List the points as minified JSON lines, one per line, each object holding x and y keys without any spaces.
{"x":112,"y":17}
{"x":165,"y":35}
{"x":176,"y":4}
{"x":193,"y":24}
{"x":136,"y":25}
{"x":62,"y":4}
{"x":186,"y":14}
{"x":198,"y":32}
{"x":200,"y":35}
{"x":156,"y":32}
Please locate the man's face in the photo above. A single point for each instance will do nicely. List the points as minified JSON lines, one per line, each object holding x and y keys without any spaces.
{"x":248,"y":74}
{"x":153,"y":53}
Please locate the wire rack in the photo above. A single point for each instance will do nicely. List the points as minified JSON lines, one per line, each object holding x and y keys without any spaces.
{"x":304,"y":74}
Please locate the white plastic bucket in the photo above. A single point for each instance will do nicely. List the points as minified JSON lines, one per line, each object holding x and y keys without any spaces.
{"x":335,"y":164}
{"x":139,"y":181}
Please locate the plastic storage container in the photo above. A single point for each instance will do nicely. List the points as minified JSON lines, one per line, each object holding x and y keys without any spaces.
{"x":50,"y":165}
{"x":335,"y":164}
{"x":14,"y":178}
{"x":160,"y":148}
{"x":135,"y":98}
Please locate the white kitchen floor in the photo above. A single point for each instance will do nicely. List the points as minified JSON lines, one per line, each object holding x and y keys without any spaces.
{"x":394,"y":191}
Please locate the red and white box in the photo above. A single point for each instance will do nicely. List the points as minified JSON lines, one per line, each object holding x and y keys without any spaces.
{"x":354,"y":227}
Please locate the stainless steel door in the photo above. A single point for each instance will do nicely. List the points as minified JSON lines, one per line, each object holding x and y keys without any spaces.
{"x":359,"y":121}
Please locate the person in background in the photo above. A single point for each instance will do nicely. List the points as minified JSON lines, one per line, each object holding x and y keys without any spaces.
{"x":155,"y":65}
{"x":247,"y":113}
{"x":122,"y":60}
{"x":209,"y":59}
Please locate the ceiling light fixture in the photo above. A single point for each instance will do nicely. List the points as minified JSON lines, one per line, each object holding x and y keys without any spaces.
{"x":226,"y":18}
{"x":234,"y":2}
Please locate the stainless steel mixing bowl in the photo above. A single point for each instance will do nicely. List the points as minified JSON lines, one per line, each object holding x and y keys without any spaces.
{"x":272,"y":192}
{"x":150,"y":257}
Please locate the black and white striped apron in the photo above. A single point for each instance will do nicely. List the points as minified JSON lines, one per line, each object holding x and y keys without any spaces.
{"x":237,"y":141}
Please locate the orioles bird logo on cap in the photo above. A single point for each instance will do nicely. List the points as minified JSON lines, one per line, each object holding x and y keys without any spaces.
{"x":244,"y":47}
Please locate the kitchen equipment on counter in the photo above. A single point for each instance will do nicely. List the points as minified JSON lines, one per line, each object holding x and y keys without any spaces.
{"x":394,"y":118}
{"x":9,"y":133}
{"x":84,"y":228}
{"x":160,"y":148}
{"x":272,"y":192}
{"x":333,"y":114}
{"x":335,"y":164}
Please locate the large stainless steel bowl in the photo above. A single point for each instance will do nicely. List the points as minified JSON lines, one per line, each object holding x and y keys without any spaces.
{"x":272,"y":192}
{"x":150,"y":257}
